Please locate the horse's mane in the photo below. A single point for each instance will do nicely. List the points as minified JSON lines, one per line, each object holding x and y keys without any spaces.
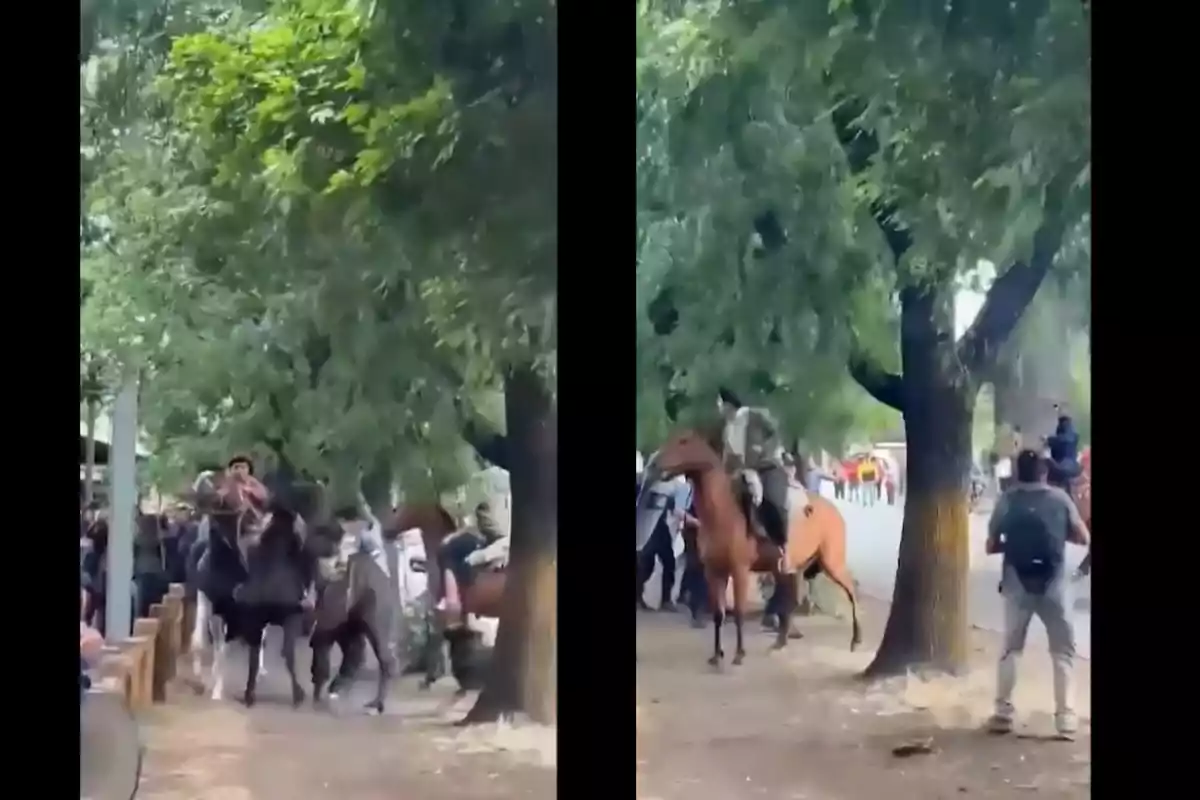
{"x":451,"y":523}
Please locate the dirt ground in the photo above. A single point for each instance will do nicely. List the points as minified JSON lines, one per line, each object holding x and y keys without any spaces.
{"x":795,"y":725}
{"x":791,"y":725}
{"x":198,"y":749}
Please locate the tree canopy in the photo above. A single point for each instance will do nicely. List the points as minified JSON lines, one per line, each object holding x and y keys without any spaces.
{"x":316,"y":223}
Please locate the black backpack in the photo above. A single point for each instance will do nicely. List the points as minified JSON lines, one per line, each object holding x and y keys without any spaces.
{"x":1034,"y":540}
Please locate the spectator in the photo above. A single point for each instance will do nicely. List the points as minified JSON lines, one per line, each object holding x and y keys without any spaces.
{"x":1031,"y":526}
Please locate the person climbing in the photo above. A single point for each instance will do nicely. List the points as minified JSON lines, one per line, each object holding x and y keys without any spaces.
{"x":751,"y":440}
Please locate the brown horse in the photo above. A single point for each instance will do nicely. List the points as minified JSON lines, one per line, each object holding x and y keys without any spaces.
{"x":483,"y":596}
{"x":729,"y":550}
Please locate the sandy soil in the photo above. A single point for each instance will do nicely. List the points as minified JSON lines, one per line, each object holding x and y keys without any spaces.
{"x":198,"y":749}
{"x":790,"y":725}
{"x":796,"y":724}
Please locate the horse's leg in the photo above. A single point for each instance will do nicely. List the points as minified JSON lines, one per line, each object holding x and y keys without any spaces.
{"x":384,"y":657}
{"x":262,"y":653}
{"x":291,"y":632}
{"x":220,"y":649}
{"x":741,"y":584}
{"x":841,"y":576}
{"x":321,"y":643}
{"x":786,"y":588}
{"x":716,"y":598}
{"x":200,"y":634}
{"x":254,"y":640}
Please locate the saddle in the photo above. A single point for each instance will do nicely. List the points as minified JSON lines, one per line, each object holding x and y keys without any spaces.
{"x":759,"y":525}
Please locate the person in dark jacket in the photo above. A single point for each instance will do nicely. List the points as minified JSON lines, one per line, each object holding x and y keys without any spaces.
{"x":1064,"y":454}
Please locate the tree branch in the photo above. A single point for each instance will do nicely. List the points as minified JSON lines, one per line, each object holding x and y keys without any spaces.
{"x":884,"y":386}
{"x":491,"y":446}
{"x":1012,"y":292}
{"x":861,"y":146}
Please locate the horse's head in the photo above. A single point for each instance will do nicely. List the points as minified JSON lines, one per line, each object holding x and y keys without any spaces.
{"x":326,"y":545}
{"x":434,"y":521}
{"x":685,"y":453}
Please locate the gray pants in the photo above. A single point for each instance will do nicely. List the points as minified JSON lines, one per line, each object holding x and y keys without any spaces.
{"x":1020,"y":607}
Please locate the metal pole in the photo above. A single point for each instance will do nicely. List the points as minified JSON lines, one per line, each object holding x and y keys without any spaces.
{"x":122,"y":470}
{"x":89,"y":459}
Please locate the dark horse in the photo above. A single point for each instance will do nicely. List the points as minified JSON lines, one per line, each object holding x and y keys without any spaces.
{"x":248,"y":579}
{"x":355,"y":600}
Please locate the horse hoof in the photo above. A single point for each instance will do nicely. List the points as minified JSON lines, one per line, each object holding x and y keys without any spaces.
{"x":249,"y":699}
{"x":374,"y":708}
{"x":738,"y":659}
{"x":779,"y":644}
{"x":715,"y":661}
{"x":795,"y":634}
{"x":698,"y":623}
{"x":298,"y":697}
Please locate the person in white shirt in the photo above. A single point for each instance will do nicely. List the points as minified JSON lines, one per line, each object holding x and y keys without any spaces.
{"x":671,"y":500}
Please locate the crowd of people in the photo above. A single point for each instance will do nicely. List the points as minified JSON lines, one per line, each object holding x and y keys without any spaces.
{"x":866,"y":480}
{"x":162,"y":543}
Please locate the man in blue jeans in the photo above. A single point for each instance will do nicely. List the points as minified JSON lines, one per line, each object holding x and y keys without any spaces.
{"x":1031,"y":526}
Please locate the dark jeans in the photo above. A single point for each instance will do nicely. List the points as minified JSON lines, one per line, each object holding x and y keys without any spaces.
{"x":774,"y":509}
{"x":662,"y":547}
{"x":151,"y":589}
{"x":453,"y":555}
{"x":692,"y":584}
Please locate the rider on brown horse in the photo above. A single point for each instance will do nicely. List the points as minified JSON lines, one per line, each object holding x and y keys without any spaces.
{"x":455,"y":557}
{"x":751,"y":440}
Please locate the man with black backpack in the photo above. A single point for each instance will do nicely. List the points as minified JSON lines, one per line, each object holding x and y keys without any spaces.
{"x":1031,"y":526}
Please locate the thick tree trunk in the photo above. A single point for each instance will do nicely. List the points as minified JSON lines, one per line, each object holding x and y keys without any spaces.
{"x":928,"y":625}
{"x":522,"y":679}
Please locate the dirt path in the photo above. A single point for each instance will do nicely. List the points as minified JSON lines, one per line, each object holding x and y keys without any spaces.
{"x":796,"y":725}
{"x":198,"y":749}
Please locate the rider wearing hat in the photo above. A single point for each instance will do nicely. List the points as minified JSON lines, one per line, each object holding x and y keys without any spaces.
{"x":751,"y":440}
{"x":240,"y":471}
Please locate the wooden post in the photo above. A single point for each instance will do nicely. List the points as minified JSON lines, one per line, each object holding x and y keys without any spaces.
{"x":175,"y":599}
{"x":145,"y":634}
{"x":163,"y":651}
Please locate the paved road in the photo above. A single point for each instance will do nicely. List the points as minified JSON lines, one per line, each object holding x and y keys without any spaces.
{"x":873,"y":544}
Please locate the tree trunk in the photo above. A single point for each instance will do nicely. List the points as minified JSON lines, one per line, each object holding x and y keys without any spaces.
{"x":89,"y":454}
{"x":522,"y":678}
{"x":927,"y":626}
